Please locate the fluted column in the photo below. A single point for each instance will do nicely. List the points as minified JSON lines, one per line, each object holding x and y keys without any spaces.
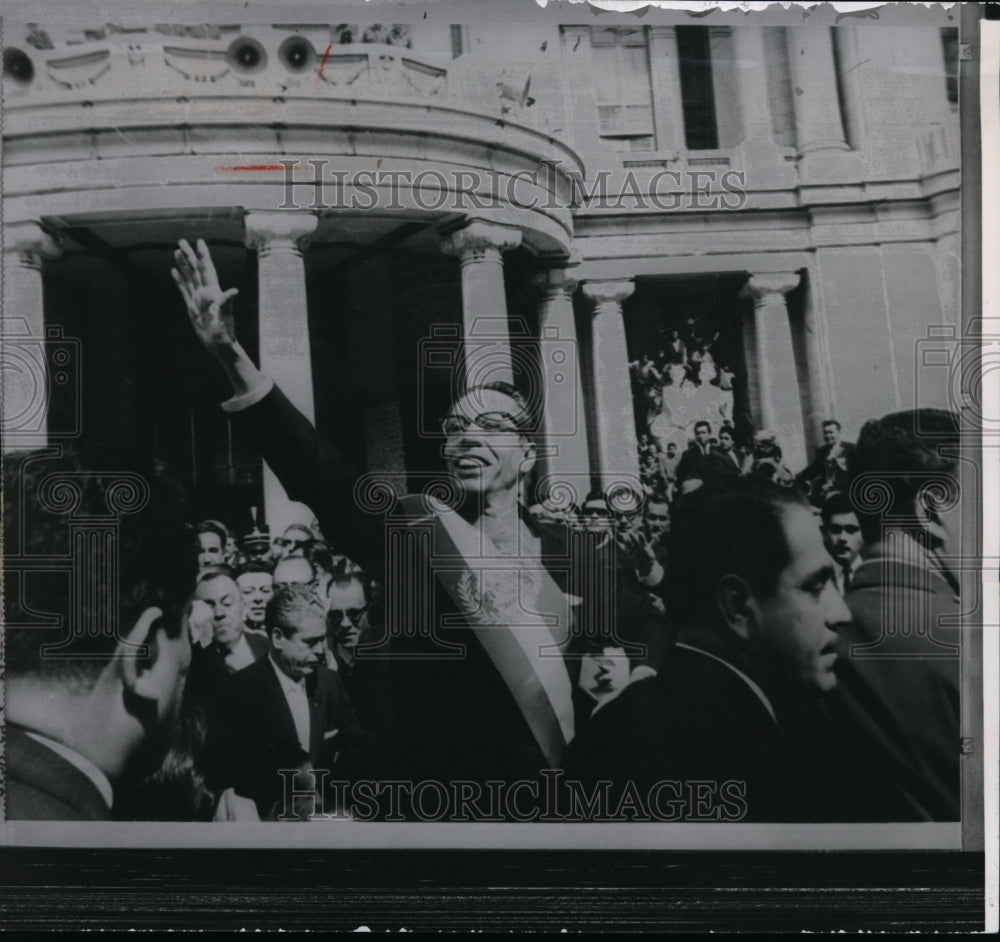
{"x":565,"y":424}
{"x":27,"y":246}
{"x":617,"y":449}
{"x":818,"y":121}
{"x":665,"y":76}
{"x":780,"y":407}
{"x":280,"y":239}
{"x":480,"y":246}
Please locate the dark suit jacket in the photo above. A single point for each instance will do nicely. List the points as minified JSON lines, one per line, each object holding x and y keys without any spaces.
{"x":698,"y":721}
{"x":896,"y":710}
{"x":693,"y":464}
{"x":722,"y":465}
{"x":209,"y":672}
{"x":817,"y":467}
{"x":43,"y":786}
{"x":455,"y":716}
{"x":255,"y":734}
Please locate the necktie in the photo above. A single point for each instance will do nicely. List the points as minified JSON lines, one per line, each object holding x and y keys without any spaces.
{"x":846,"y":573}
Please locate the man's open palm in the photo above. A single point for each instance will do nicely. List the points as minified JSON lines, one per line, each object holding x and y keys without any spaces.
{"x":208,"y":305}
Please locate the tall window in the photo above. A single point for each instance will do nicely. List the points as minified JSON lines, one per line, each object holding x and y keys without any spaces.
{"x":949,"y":43}
{"x":697,"y":96}
{"x":624,"y":89}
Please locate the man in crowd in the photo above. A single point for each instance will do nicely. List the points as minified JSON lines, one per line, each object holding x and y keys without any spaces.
{"x":353,"y":620}
{"x":96,"y":681}
{"x":256,"y":583}
{"x":476,"y":696}
{"x":750,"y":588}
{"x":294,"y":540}
{"x":210,"y":539}
{"x":287,"y":710}
{"x":724,"y":459}
{"x":294,"y":570}
{"x":897,"y":716}
{"x":229,"y":648}
{"x":842,"y":538}
{"x":830,"y":469}
{"x":692,"y":470}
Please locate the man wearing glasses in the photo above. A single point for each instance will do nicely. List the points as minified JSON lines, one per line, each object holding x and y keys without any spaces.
{"x":482,"y":606}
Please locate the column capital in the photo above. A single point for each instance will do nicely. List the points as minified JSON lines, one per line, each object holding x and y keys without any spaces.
{"x":29,"y":244}
{"x":561,"y":279}
{"x":479,"y":237}
{"x":281,"y":231}
{"x":608,"y":292}
{"x":767,"y":285}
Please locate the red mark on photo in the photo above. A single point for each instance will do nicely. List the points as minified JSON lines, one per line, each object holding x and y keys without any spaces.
{"x":322,"y":62}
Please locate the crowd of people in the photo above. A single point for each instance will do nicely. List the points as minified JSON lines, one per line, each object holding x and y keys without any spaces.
{"x":739,"y":629}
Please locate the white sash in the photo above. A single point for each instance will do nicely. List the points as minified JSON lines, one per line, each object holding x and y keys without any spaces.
{"x":517,"y":613}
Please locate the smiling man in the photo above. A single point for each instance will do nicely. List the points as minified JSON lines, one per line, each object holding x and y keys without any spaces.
{"x":482,"y":610}
{"x":751,"y":587}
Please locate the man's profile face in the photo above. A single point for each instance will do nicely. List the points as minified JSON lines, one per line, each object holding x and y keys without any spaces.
{"x":299,"y":654}
{"x":347,"y":607}
{"x":223,"y":596}
{"x":842,"y":538}
{"x":799,"y":621}
{"x":293,"y":570}
{"x":256,"y":588}
{"x":210,"y":550}
{"x":701,"y":433}
{"x":486,"y":460}
{"x":831,"y":434}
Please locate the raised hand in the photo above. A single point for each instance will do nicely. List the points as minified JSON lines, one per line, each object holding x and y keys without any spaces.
{"x":207,"y":304}
{"x":637,"y":550}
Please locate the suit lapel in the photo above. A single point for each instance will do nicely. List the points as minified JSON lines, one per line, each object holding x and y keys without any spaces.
{"x":318,"y":698}
{"x":276,"y":707}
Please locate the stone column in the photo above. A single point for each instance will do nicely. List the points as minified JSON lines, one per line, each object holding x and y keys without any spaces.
{"x":617,"y":449}
{"x":665,"y":77}
{"x":780,"y":406}
{"x":818,"y":121}
{"x":280,"y":239}
{"x":24,"y":362}
{"x":565,"y":420}
{"x":479,"y":246}
{"x":761,"y":159}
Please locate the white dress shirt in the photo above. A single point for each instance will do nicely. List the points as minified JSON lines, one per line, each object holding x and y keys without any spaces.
{"x":298,"y":703}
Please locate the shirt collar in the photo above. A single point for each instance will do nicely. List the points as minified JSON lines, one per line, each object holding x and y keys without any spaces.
{"x":287,"y":683}
{"x":82,"y":763}
{"x":750,"y":683}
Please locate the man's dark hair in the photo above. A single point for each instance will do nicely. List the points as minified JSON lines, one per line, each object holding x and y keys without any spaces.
{"x":732,"y":527}
{"x":832,"y":422}
{"x":126,"y":514}
{"x":211,"y":526}
{"x":290,"y":605}
{"x":836,"y":503}
{"x":899,"y":455}
{"x":254,"y":565}
{"x":701,"y":423}
{"x":525,"y":419}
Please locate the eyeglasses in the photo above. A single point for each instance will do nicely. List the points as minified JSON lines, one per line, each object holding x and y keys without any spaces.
{"x":485,"y":421}
{"x":282,"y":542}
{"x":835,"y":529}
{"x":353,"y":615}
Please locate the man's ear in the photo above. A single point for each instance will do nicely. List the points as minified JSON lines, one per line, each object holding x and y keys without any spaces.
{"x":737,"y":606}
{"x":529,"y":452}
{"x":150,"y":665}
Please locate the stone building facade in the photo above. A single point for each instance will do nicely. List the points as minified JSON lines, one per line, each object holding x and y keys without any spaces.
{"x":530,"y":199}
